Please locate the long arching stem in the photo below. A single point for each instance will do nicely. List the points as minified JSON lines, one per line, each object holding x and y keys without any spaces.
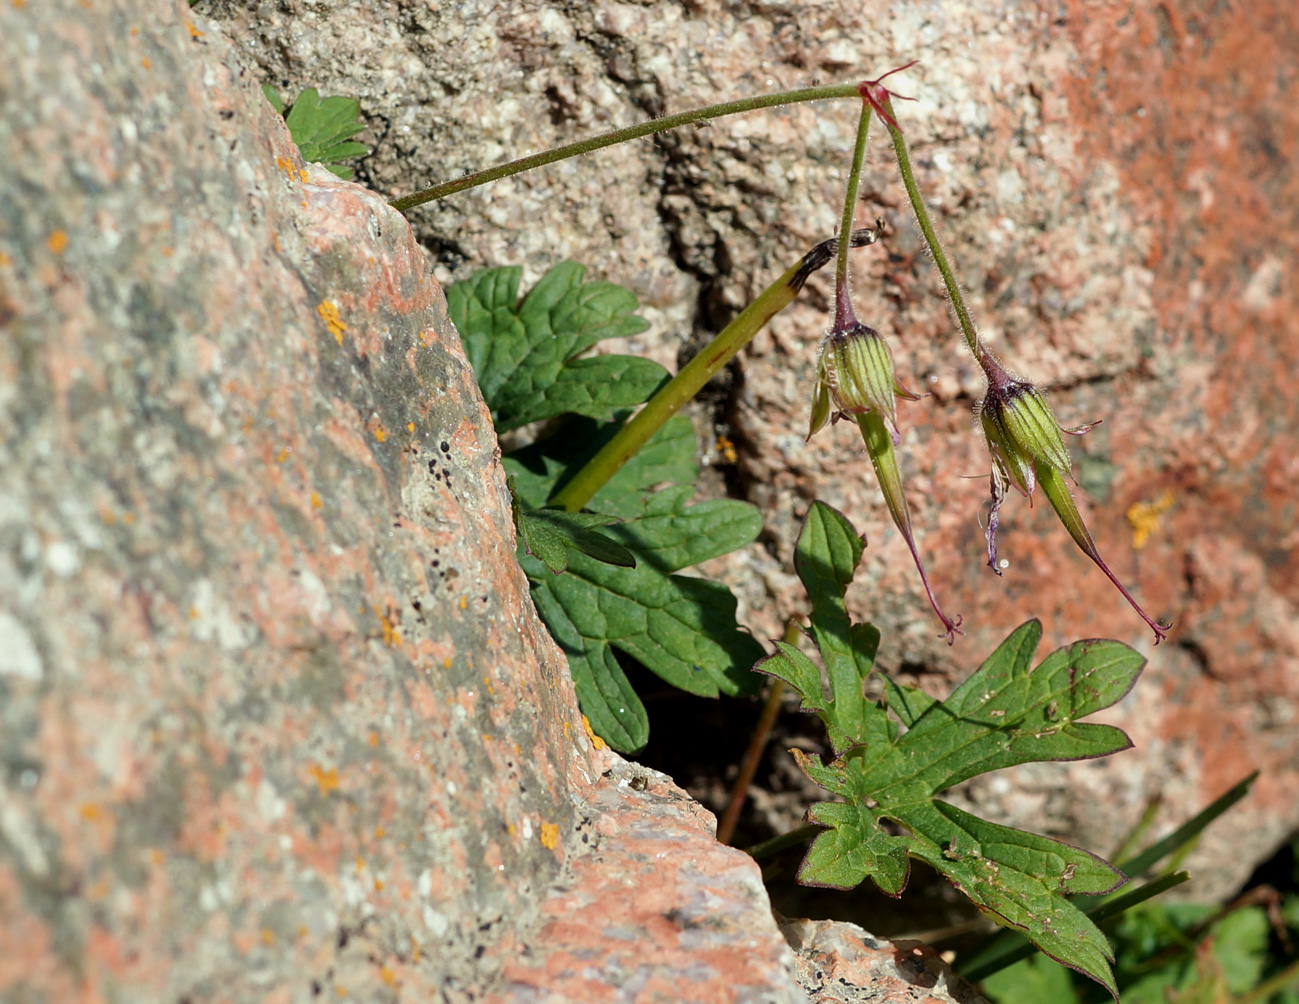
{"x":622,"y":136}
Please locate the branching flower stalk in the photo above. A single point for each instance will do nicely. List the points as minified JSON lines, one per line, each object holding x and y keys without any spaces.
{"x":1023,"y":435}
{"x":855,"y":379}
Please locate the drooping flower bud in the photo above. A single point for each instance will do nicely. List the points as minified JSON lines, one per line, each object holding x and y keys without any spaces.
{"x":855,"y":379}
{"x":1028,"y":450}
{"x":854,"y":376}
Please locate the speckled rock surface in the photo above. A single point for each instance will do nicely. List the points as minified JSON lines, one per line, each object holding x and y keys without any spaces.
{"x":277,"y":721}
{"x":1117,"y":186}
{"x":839,"y":963}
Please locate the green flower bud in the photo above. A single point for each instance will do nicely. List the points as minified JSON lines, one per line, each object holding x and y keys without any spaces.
{"x":1022,"y":432}
{"x":1028,"y":450}
{"x":854,"y":376}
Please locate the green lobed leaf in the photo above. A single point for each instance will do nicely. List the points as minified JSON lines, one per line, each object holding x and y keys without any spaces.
{"x":1005,"y":713}
{"x":320,"y":127}
{"x":525,"y":354}
{"x":681,"y":628}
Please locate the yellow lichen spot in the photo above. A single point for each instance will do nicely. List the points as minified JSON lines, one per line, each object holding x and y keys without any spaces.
{"x":726,"y":450}
{"x":57,"y":241}
{"x":596,"y":741}
{"x":380,"y":433}
{"x":510,"y":828}
{"x":378,"y":886}
{"x":329,"y":314}
{"x":282,"y":456}
{"x":374,"y":739}
{"x":135,"y":32}
{"x":128,"y":518}
{"x":446,"y":663}
{"x":1143,"y":517}
{"x":193,"y":613}
{"x":410,"y":427}
{"x":391,"y":635}
{"x":268,"y":936}
{"x":193,"y":32}
{"x":284,"y":164}
{"x":379,"y":832}
{"x":146,"y":63}
{"x":360,"y":863}
{"x":549,"y":836}
{"x":5,"y":260}
{"x":340,"y":990}
{"x":91,"y":812}
{"x":156,"y":856}
{"x":316,"y":503}
{"x":326,"y":780}
{"x":302,"y":175}
{"x":464,"y":602}
{"x":167,"y":252}
{"x":387,"y":975}
{"x":18,"y":3}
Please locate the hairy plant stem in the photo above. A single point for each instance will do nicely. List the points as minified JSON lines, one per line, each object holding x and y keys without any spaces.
{"x":843,"y":311}
{"x":663,"y":124}
{"x":931,"y":239}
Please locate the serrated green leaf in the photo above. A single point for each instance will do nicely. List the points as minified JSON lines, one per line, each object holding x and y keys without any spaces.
{"x":683,"y":629}
{"x":549,"y":535}
{"x":1035,"y":979}
{"x":525,"y":354}
{"x":320,"y":127}
{"x":1003,"y":714}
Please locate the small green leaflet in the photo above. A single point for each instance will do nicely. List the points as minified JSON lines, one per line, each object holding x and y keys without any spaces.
{"x":525,"y":354}
{"x":322,"y":127}
{"x":549,"y":534}
{"x":1004,"y":714}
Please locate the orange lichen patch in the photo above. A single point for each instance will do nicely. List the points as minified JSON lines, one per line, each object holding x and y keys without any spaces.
{"x":464,"y":602}
{"x":446,"y":663}
{"x":410,"y":427}
{"x":145,"y":62}
{"x":329,"y":314}
{"x":380,"y":433}
{"x":193,"y":32}
{"x":374,"y":739}
{"x":5,"y":260}
{"x":326,"y":780}
{"x":596,"y":741}
{"x":726,"y":450}
{"x":391,"y":634}
{"x":167,"y":252}
{"x":57,"y":241}
{"x":360,"y":863}
{"x":549,"y":836}
{"x":91,"y":812}
{"x":302,"y":176}
{"x":268,"y":936}
{"x":283,"y":455}
{"x":1143,"y":517}
{"x":379,"y":832}
{"x":316,"y":503}
{"x":387,"y":975}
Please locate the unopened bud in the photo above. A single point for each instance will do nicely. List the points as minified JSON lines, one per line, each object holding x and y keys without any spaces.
{"x":854,"y":376}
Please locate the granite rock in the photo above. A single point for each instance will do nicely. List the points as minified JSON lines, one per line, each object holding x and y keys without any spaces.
{"x":1116,"y":184}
